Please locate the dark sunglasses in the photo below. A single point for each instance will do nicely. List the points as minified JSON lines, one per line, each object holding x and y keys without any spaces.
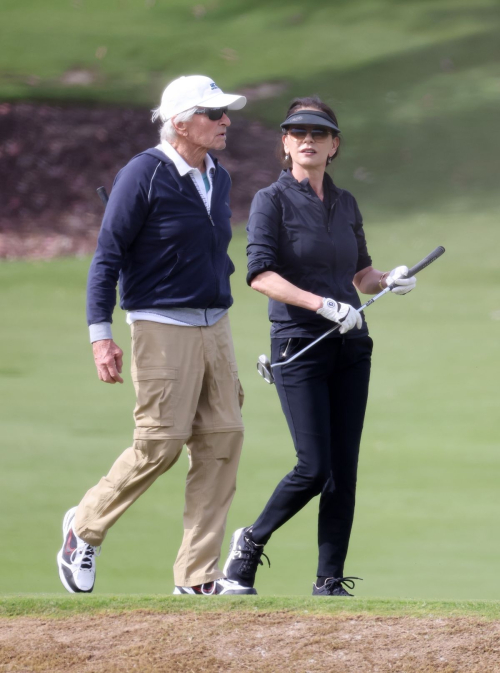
{"x":319,"y":134}
{"x":213,"y":113}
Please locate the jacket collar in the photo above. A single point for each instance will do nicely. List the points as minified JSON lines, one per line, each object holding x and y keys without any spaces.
{"x":161,"y":156}
{"x":184,"y":182}
{"x":286,"y":178}
{"x":180,"y":163}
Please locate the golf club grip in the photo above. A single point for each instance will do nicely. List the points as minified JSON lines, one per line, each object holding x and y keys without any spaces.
{"x":431,"y":257}
{"x":103,"y":195}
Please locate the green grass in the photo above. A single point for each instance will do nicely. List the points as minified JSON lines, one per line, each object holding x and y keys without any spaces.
{"x":57,"y":607}
{"x":145,"y":43}
{"x":415,"y":83}
{"x":428,"y":509}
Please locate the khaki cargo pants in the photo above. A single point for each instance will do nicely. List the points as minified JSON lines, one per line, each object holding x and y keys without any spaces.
{"x":188,"y":392}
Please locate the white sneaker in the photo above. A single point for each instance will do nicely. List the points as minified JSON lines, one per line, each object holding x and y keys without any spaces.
{"x":217,"y":588}
{"x":76,"y":559}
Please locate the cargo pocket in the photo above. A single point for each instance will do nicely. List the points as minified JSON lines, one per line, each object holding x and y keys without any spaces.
{"x":239,"y":388}
{"x":156,"y":396}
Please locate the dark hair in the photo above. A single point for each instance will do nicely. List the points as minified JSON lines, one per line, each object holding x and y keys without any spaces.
{"x":310,"y":103}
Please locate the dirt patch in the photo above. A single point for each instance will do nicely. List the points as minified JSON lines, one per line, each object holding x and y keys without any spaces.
{"x":78,"y":77}
{"x":265,"y":90}
{"x":53,"y":158}
{"x":263,"y":642}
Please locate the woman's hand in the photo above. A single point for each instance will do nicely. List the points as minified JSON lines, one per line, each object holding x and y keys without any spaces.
{"x":371,"y":281}
{"x":344,"y":314}
{"x":397,"y":278}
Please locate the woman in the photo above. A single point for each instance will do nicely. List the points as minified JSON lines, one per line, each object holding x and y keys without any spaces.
{"x":307,"y":252}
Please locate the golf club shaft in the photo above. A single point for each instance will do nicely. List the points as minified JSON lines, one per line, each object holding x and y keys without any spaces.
{"x":103,"y":195}
{"x":431,"y":257}
{"x":333,"y":329}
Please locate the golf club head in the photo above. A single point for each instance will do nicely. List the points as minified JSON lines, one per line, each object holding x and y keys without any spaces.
{"x":264,"y":369}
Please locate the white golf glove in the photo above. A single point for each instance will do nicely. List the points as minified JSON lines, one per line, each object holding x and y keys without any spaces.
{"x":401,"y":285}
{"x":344,"y":314}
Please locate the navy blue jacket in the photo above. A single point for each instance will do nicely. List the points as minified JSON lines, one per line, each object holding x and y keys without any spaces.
{"x":158,"y":239}
{"x":317,"y":248}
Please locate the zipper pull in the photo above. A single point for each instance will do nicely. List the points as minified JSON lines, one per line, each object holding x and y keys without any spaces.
{"x":210,"y":217}
{"x":286,"y":348}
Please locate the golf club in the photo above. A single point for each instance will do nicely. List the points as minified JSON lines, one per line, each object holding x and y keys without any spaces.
{"x":264,"y":366}
{"x":103,"y":195}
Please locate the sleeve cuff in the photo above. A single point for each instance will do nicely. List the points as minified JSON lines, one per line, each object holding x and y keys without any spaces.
{"x":99,"y":331}
{"x":269,"y":266}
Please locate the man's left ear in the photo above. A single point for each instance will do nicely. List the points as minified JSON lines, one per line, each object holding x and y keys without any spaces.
{"x":181,"y":129}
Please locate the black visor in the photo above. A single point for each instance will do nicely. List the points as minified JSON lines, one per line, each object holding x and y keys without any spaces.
{"x":309,"y":118}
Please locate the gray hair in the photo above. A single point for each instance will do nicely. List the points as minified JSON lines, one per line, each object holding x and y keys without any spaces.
{"x":167,"y":131}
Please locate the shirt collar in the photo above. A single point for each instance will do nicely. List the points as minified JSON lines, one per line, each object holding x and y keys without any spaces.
{"x":183,"y":168}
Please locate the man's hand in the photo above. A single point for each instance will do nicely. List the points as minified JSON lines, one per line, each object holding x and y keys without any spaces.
{"x":344,"y":314}
{"x":401,"y":284}
{"x":108,"y":358}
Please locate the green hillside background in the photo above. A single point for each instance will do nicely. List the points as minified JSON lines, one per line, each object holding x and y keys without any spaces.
{"x":416,"y":85}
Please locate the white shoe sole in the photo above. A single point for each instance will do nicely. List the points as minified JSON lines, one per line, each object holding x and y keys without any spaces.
{"x":68,"y":518}
{"x":245,"y":591}
{"x":62,"y":576}
{"x":236,"y":535}
{"x":188,"y":592}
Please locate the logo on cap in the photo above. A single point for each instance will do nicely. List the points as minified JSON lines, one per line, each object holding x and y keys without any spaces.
{"x":213,"y":85}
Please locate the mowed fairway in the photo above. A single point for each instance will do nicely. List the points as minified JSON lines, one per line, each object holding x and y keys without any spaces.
{"x":428,"y":509}
{"x":415,"y":86}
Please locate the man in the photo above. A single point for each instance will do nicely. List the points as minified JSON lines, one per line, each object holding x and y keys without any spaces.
{"x":165,"y":236}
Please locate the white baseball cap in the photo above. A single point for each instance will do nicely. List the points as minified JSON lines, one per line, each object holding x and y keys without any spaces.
{"x":194,"y":91}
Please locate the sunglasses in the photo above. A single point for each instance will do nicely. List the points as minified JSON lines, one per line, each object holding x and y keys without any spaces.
{"x":213,"y":113}
{"x":319,"y":134}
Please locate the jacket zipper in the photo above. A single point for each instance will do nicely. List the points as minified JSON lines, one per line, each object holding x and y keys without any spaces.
{"x":330,"y":214}
{"x":205,"y":204}
{"x":213,"y":245}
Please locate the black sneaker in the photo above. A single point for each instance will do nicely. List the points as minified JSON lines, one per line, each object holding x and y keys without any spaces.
{"x":333,"y":586}
{"x":244,"y":558}
{"x":218,"y":588}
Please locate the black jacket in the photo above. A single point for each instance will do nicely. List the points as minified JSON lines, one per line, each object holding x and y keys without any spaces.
{"x":318,"y":246}
{"x":159,"y":240}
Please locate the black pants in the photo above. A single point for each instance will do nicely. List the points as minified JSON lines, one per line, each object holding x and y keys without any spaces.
{"x":323,"y":395}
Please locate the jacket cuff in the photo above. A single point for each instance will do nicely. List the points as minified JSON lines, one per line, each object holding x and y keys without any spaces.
{"x":255,"y":271}
{"x":99,"y":331}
